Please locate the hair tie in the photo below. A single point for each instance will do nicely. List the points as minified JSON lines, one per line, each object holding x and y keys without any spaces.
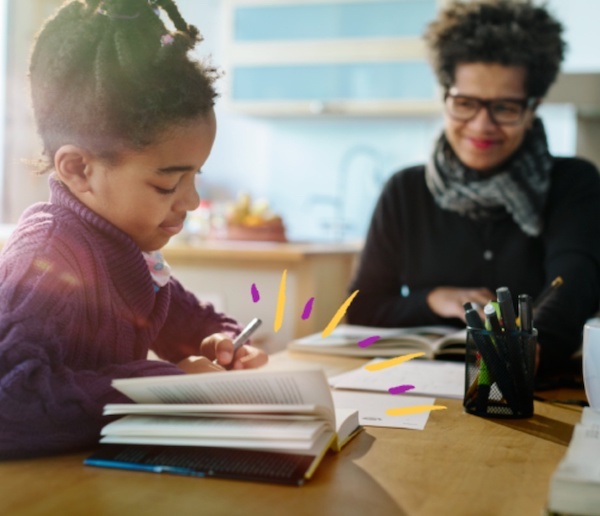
{"x":166,"y":39}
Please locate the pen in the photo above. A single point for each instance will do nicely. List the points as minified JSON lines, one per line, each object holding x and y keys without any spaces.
{"x":243,"y":337}
{"x":547,"y":294}
{"x":110,"y":463}
{"x":246,"y":332}
{"x":507,"y":309}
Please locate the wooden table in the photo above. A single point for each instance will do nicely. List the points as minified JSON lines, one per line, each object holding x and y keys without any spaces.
{"x":460,"y":464}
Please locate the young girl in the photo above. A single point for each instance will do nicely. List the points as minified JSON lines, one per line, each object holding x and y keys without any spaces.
{"x":126,"y":119}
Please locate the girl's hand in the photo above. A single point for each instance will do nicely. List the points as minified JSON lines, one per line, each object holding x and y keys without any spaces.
{"x":219,"y":347}
{"x":196,"y":364}
{"x":249,"y":357}
{"x":449,"y":301}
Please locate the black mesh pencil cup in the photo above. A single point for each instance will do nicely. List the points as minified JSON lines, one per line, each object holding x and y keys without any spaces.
{"x":499,"y":373}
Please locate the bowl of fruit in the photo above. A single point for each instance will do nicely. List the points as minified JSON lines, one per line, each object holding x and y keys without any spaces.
{"x":253,"y":220}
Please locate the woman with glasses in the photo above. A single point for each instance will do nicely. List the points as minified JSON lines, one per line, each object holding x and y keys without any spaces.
{"x":492,"y":207}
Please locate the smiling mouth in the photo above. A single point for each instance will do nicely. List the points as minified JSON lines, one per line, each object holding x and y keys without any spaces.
{"x":173,"y":229}
{"x":481,"y":143}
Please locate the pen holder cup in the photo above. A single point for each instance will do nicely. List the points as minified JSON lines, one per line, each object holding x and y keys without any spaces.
{"x":499,"y":373}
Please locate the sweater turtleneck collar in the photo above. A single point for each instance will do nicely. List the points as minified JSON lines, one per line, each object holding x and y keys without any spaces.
{"x":124,"y":258}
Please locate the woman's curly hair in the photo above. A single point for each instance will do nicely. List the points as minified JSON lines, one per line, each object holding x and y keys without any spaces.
{"x":506,"y":32}
{"x":108,"y":74}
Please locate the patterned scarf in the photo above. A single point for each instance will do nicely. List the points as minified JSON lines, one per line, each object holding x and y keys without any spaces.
{"x":520,"y":187}
{"x":158,"y":267}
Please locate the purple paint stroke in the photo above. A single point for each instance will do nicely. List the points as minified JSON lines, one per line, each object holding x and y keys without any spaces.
{"x":255,"y":293}
{"x":368,"y":341}
{"x":400,"y":389}
{"x":308,"y":309}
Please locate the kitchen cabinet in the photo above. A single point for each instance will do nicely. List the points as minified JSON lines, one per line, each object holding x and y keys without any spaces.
{"x":351,"y":57}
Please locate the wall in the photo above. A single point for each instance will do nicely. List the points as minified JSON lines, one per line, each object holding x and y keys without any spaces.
{"x":22,"y":186}
{"x":322,"y":174}
{"x":580,"y":19}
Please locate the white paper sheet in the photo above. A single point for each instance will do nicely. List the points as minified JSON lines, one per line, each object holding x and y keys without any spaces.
{"x":372,"y":408}
{"x":429,"y":377}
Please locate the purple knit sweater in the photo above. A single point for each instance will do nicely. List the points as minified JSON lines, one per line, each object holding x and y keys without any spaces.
{"x":78,"y":309}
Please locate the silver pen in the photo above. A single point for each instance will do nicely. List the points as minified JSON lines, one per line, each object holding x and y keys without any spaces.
{"x":246,"y":332}
{"x":243,"y":337}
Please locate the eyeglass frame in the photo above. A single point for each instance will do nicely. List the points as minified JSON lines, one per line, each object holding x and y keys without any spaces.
{"x":526,"y":103}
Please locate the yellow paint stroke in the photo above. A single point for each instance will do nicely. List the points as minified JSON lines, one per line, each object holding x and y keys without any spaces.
{"x":335,"y":320}
{"x":400,"y":411}
{"x":280,"y":303}
{"x":405,"y":411}
{"x":392,"y":362}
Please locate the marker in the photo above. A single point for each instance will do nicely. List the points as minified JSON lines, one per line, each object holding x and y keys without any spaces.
{"x":525,"y":313}
{"x":507,"y":309}
{"x":484,"y":385}
{"x":496,"y":369}
{"x":473,"y":319}
{"x":491,"y":318}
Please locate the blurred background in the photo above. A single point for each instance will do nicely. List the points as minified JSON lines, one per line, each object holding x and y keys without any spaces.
{"x":321,"y":100}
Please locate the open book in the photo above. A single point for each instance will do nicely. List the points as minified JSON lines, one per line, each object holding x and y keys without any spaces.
{"x":434,"y":341}
{"x":225,"y":424}
{"x":575,"y":485}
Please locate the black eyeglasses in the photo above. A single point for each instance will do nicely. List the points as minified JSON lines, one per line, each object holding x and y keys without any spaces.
{"x":501,"y":111}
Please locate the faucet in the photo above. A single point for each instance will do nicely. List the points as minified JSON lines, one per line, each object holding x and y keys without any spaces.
{"x":346,"y":168}
{"x":338,"y":224}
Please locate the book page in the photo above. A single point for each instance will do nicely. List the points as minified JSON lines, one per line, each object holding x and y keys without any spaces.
{"x":197,"y":410}
{"x":590,"y":416}
{"x":255,"y":430}
{"x":252,"y":387}
{"x":350,"y":334}
{"x":584,"y":447}
{"x":428,"y":377}
{"x":392,"y":341}
{"x":575,"y":484}
{"x":282,"y":445}
{"x":372,"y":408}
{"x":454,"y":343}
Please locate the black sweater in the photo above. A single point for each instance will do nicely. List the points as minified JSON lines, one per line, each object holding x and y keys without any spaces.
{"x":414,"y":246}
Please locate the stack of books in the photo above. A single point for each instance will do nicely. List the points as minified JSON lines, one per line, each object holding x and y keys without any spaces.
{"x":575,"y":485}
{"x":271,"y":426}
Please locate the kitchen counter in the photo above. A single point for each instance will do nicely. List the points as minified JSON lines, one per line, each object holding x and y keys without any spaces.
{"x":256,"y":251}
